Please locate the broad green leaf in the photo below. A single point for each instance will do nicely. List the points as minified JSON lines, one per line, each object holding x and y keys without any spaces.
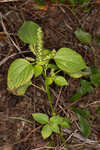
{"x":79,"y":74}
{"x":69,"y":61}
{"x":46,"y":131}
{"x":28,"y":32}
{"x":55,"y":127}
{"x":65,"y":123}
{"x":19,"y":74}
{"x":95,"y":76}
{"x":85,"y":87}
{"x":41,"y":118}
{"x":83,"y":36}
{"x":84,"y":126}
{"x":22,"y":89}
{"x":56,"y":119}
{"x":83,"y":112}
{"x":48,"y":81}
{"x":60,"y":81}
{"x":37,"y":70}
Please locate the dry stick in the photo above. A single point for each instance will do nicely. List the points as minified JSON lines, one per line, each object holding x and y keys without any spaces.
{"x":74,"y":15}
{"x":83,"y":139}
{"x":8,"y":57}
{"x":25,"y":138}
{"x":58,"y":98}
{"x":5,"y":30}
{"x":3,"y":1}
{"x":70,"y":105}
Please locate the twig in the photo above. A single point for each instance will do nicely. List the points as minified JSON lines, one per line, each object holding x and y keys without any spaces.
{"x":8,"y":57}
{"x":83,"y":139}
{"x":58,"y":98}
{"x":3,"y":1}
{"x":21,"y":119}
{"x":24,"y":139}
{"x":5,"y":30}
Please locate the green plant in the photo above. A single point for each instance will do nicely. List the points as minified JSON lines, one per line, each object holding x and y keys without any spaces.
{"x":21,"y":72}
{"x":85,"y":88}
{"x":83,"y":115}
{"x":53,"y":124}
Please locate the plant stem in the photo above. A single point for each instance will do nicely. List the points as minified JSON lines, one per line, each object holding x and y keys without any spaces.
{"x":63,"y":140}
{"x":53,"y":111}
{"x":50,"y":100}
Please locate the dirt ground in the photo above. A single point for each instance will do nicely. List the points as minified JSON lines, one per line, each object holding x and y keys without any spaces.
{"x":58,"y":23}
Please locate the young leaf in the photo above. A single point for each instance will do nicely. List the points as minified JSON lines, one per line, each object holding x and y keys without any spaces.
{"x":46,"y":131}
{"x":65,"y":123}
{"x":37,"y":70}
{"x":60,"y":81}
{"x":49,"y":81}
{"x":83,"y":37}
{"x":55,"y":127}
{"x":28,"y":32}
{"x":85,"y":87}
{"x":84,"y":126}
{"x":56,"y":119}
{"x":22,"y":89}
{"x":83,"y":112}
{"x":41,"y":118}
{"x":69,"y":61}
{"x":76,"y":96}
{"x":19,"y":74}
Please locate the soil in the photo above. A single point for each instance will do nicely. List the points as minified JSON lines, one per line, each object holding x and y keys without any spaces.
{"x":58,"y":21}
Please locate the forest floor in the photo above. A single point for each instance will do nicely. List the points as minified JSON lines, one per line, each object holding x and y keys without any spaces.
{"x":58,"y":21}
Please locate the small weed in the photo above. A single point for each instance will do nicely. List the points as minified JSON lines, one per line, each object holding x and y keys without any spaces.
{"x":21,"y":72}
